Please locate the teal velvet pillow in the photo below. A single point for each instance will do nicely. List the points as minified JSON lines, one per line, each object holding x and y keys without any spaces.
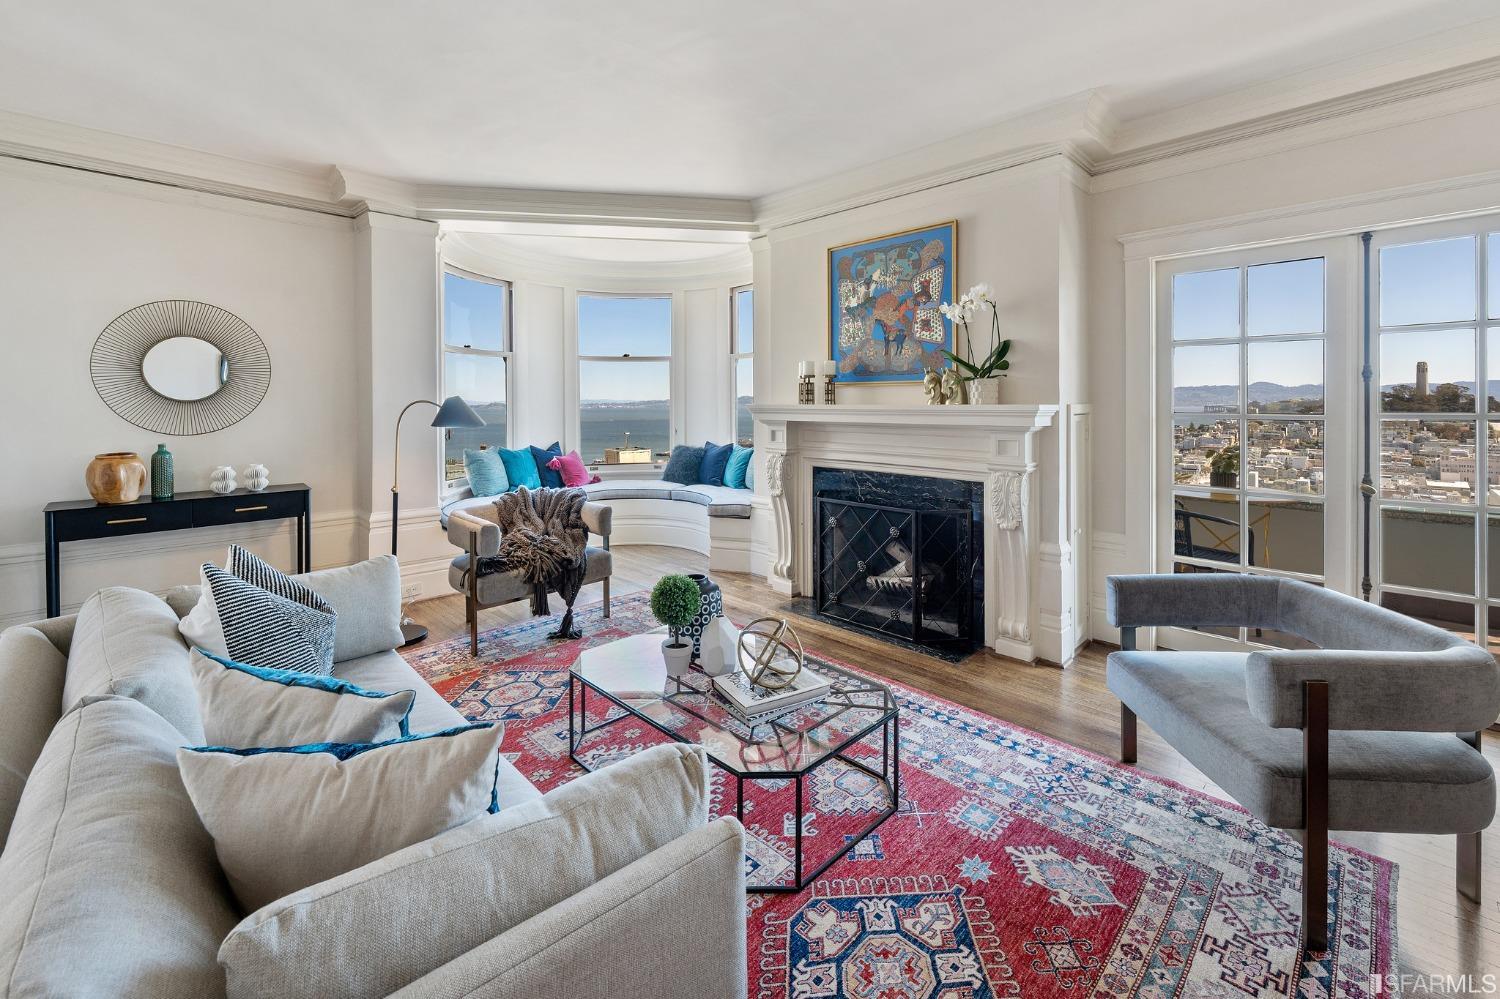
{"x":520,"y":468}
{"x":715,"y":458}
{"x":486,"y":472}
{"x":739,"y":464}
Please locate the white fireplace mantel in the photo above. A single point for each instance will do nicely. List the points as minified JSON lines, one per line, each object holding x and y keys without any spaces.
{"x":994,"y":445}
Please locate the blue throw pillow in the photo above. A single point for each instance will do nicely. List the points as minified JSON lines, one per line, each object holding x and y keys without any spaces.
{"x":739,"y":464}
{"x":349,"y":750}
{"x":520,"y":468}
{"x":683,"y":465}
{"x":750,"y":471}
{"x":486,"y":472}
{"x":715,"y":457}
{"x":550,"y":477}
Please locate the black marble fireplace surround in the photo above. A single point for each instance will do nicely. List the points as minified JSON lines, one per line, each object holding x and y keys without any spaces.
{"x":900,"y":557}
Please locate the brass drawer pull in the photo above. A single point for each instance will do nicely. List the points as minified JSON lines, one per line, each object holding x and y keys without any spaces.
{"x":127,"y":520}
{"x":250,"y":509}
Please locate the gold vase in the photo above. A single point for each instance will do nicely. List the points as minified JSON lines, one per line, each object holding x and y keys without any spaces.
{"x":116,"y":477}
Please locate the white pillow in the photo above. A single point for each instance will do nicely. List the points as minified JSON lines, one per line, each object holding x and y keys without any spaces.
{"x":254,"y":613}
{"x":285,"y":818}
{"x":244,"y":706}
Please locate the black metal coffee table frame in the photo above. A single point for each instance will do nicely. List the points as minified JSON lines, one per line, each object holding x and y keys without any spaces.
{"x":889,"y":773}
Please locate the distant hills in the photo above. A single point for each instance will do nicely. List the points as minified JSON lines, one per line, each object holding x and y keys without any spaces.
{"x":1224,"y":396}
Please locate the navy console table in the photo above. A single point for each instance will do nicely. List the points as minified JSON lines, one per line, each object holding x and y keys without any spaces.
{"x":84,"y":520}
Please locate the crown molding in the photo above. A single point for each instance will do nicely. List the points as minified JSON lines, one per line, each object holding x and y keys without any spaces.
{"x":361,"y":191}
{"x":470,"y":253}
{"x":586,"y":208}
{"x":39,"y":140}
{"x":1447,"y":91}
{"x":1080,"y":128}
{"x":1099,"y":150}
{"x":371,"y":219}
{"x":1453,"y":50}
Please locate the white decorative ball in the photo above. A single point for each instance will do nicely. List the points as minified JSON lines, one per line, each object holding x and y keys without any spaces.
{"x":257,"y":477}
{"x":222,"y":480}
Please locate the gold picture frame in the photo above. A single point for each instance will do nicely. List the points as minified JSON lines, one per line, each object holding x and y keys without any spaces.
{"x":862,"y":298}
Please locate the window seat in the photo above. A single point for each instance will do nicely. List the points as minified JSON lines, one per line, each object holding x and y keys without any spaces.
{"x":710,"y":520}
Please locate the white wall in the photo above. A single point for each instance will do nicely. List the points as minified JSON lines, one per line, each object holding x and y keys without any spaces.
{"x":1019,"y":230}
{"x":396,"y":259}
{"x":1281,"y":195}
{"x":78,"y":249}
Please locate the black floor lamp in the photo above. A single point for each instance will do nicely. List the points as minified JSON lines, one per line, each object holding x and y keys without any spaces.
{"x":454,"y":412}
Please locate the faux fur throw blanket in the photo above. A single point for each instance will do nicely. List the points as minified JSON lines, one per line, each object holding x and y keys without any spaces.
{"x":543,"y":537}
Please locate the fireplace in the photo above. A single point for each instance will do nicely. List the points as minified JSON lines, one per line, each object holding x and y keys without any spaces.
{"x":900,"y":556}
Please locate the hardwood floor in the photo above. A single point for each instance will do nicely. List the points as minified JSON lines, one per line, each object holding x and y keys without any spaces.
{"x":1439,"y":931}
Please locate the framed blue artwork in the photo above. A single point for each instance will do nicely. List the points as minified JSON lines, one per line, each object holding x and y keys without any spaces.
{"x":883,"y":298}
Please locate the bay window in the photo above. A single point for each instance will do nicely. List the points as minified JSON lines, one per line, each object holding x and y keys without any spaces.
{"x":624,"y":373}
{"x":476,"y":326}
{"x":742,"y":362}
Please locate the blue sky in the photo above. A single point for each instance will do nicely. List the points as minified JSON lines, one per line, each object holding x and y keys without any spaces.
{"x":1429,"y":282}
{"x":474,"y":314}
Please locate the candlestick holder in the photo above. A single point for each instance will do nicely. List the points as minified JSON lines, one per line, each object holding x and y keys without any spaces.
{"x":805,"y":390}
{"x":828,"y":392}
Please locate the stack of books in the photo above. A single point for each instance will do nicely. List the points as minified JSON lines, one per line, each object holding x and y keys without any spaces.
{"x":756,"y":705}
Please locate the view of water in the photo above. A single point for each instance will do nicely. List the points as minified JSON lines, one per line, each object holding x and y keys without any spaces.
{"x":601,"y":425}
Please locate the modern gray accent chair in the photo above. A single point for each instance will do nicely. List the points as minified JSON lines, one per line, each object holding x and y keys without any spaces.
{"x":1376,"y":729}
{"x":476,"y":530}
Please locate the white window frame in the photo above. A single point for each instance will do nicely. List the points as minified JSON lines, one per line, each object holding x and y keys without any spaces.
{"x":580,"y":358}
{"x":446,"y":487}
{"x":1482,"y":509}
{"x":735,"y":356}
{"x":1341,"y":456}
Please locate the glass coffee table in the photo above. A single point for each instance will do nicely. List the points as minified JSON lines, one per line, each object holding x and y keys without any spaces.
{"x":855,"y":728}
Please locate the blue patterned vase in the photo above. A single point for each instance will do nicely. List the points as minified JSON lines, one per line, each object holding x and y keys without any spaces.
{"x":713,"y":606}
{"x":161,"y":473}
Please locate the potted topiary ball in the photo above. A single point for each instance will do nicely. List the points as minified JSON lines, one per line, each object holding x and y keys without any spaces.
{"x":675,"y":601}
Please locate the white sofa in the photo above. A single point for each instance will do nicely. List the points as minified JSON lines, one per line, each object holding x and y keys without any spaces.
{"x":111,"y":886}
{"x":712,"y":520}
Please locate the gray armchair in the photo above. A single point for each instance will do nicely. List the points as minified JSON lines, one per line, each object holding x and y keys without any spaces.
{"x":475,"y":530}
{"x":1376,"y":729}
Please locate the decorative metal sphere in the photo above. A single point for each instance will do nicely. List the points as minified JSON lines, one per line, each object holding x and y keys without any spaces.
{"x":770,"y":653}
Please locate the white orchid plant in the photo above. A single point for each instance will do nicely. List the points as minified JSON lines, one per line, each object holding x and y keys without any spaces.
{"x":961,"y":313}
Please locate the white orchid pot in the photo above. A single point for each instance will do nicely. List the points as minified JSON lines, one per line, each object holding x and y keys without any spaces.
{"x":677,"y":655}
{"x":983,"y":391}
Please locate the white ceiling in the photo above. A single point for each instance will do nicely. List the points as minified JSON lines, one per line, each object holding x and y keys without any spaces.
{"x":673,"y":96}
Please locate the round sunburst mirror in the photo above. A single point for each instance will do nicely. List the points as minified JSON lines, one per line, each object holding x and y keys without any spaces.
{"x":180,"y":368}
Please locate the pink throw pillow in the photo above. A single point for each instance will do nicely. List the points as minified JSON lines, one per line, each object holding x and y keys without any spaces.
{"x":572,"y":469}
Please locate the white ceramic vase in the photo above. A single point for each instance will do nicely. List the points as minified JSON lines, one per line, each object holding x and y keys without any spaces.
{"x":677,"y":657}
{"x":222,"y":480}
{"x":257,"y":477}
{"x":720,"y":646}
{"x":983,"y":391}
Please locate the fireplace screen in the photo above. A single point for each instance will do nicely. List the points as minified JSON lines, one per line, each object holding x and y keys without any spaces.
{"x":902,"y":572}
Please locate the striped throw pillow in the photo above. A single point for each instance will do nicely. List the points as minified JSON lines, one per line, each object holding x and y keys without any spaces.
{"x":258,"y":615}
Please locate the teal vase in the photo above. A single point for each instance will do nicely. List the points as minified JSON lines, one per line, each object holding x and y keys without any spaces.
{"x":161,"y":473}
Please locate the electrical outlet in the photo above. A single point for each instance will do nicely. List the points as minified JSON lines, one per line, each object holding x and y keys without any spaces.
{"x":411,"y":591}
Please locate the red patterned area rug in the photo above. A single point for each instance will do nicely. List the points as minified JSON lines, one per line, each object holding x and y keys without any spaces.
{"x":1015,"y":866}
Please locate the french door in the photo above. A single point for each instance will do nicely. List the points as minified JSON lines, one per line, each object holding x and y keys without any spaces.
{"x":1435,"y":439}
{"x":1257,"y":443}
